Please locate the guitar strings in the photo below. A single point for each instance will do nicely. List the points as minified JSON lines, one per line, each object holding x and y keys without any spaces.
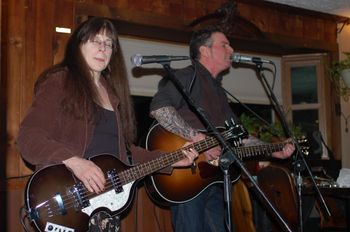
{"x":70,"y":200}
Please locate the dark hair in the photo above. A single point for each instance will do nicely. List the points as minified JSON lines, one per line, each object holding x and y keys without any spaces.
{"x":82,"y":95}
{"x":200,"y":38}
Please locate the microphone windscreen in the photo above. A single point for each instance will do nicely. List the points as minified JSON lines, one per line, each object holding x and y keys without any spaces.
{"x":236,"y":57}
{"x":136,"y":60}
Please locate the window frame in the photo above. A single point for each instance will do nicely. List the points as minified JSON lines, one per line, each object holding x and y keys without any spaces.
{"x":320,"y":61}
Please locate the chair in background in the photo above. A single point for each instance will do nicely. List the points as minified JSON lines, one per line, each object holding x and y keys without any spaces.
{"x":279,"y":187}
{"x":242,"y":208}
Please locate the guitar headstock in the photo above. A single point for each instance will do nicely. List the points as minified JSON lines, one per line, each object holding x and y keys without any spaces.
{"x":304,"y":145}
{"x":235,"y":131}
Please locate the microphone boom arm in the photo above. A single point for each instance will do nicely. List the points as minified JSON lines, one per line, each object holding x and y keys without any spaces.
{"x":298,"y":164}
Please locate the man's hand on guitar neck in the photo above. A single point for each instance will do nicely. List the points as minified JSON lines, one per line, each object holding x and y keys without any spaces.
{"x":287,"y":151}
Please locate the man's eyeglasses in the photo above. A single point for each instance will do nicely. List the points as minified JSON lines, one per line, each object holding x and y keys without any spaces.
{"x":108,"y":45}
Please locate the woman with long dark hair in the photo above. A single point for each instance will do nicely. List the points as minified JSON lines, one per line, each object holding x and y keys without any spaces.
{"x":82,"y":108}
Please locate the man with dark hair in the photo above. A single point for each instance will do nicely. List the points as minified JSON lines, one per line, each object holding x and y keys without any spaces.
{"x":211,"y":54}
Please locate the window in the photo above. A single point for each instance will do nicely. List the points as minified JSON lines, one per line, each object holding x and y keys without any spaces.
{"x":304,"y":98}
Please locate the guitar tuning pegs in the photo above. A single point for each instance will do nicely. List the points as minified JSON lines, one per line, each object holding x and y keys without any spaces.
{"x":233,"y":121}
{"x":238,"y":142}
{"x":229,"y":123}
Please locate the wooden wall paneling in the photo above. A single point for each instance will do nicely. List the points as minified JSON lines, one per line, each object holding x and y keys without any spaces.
{"x":135,"y":23}
{"x":315,"y":28}
{"x":3,"y":91}
{"x":120,"y":3}
{"x":291,"y":30}
{"x":130,"y":15}
{"x":14,"y":77}
{"x":174,"y":8}
{"x":26,"y":82}
{"x":39,"y":33}
{"x":30,"y":51}
{"x":44,"y":35}
{"x":3,"y":216}
{"x":286,"y":32}
{"x":144,"y":215}
{"x":14,"y":202}
{"x":286,"y":20}
{"x":59,"y":42}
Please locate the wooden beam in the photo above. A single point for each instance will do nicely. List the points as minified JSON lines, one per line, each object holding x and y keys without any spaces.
{"x":163,"y":27}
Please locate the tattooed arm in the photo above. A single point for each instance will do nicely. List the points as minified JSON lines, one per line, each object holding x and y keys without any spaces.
{"x":170,"y":119}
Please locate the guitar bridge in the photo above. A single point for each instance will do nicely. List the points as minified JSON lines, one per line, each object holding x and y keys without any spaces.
{"x":59,"y":201}
{"x":79,"y":193}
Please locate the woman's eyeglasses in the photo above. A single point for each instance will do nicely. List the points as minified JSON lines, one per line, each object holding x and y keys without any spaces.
{"x":108,"y":45}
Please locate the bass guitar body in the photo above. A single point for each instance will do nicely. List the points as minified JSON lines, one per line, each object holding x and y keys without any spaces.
{"x":57,"y":201}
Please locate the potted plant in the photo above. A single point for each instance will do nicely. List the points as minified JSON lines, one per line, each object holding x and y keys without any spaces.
{"x":339,"y":73}
{"x":269,"y":133}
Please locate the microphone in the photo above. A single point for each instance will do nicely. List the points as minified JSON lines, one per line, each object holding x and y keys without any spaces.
{"x":138,"y":60}
{"x":238,"y":58}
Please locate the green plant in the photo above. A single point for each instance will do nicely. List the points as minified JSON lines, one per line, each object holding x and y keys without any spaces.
{"x":268,"y":133}
{"x":335,"y":73}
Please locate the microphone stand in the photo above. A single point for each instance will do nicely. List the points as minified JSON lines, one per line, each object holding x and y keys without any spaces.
{"x":299,"y":163}
{"x":228,"y":156}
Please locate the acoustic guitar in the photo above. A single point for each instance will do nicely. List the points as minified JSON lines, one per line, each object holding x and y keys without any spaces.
{"x":184,"y":184}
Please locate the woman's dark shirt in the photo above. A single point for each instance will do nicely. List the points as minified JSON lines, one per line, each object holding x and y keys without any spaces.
{"x":105,"y":136}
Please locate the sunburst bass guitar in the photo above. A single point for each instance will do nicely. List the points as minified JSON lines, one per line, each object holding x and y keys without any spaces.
{"x":57,"y":201}
{"x":184,"y":184}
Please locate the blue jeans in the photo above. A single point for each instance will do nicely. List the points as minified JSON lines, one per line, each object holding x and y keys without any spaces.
{"x":205,"y":213}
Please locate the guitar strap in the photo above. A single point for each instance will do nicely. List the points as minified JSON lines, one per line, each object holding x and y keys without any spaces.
{"x":128,"y":154}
